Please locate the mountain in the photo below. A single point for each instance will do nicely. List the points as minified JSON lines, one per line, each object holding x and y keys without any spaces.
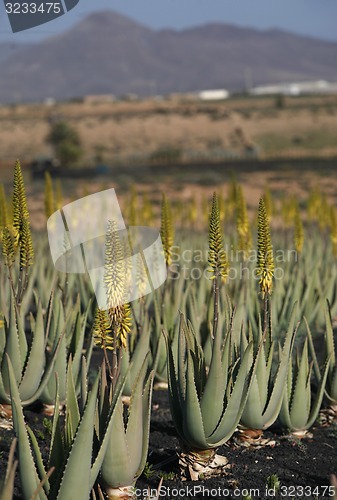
{"x":111,"y":54}
{"x":7,"y":50}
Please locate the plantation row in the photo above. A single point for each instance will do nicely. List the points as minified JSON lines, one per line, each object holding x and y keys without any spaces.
{"x":236,"y":350}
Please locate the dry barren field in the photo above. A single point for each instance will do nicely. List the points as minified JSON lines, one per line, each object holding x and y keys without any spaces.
{"x":132,"y":131}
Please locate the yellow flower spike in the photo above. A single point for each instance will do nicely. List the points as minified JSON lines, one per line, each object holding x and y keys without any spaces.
{"x":19,"y":196}
{"x":217,"y":258}
{"x":26,"y":245}
{"x":314,"y":204}
{"x":242,"y":224}
{"x":166,"y":230}
{"x":21,"y":224}
{"x":299,"y":232}
{"x":115,"y":264}
{"x":8,"y":247}
{"x":324,"y":213}
{"x":333,"y":230}
{"x":116,"y":279}
{"x":58,"y":195}
{"x":125,"y":324}
{"x":265,"y":257}
{"x":101,"y":330}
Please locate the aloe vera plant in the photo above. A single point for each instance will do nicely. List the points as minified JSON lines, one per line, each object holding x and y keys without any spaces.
{"x":17,"y":238}
{"x":298,"y":412}
{"x":265,"y":396}
{"x":124,"y":456}
{"x":70,"y":454}
{"x":35,"y":363}
{"x":66,"y":339}
{"x":28,"y":363}
{"x":329,"y":343}
{"x":206,"y":408}
{"x":329,"y":353}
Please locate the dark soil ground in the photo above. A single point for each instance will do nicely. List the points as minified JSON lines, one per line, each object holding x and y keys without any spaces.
{"x":302,"y":466}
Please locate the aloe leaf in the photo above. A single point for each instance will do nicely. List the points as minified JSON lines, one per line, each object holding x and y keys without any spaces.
{"x":21,"y":335}
{"x":139,"y":354}
{"x":4,"y":395}
{"x":252,"y":414}
{"x":236,"y":402}
{"x":115,"y":468}
{"x":57,"y":451}
{"x":134,"y":430}
{"x":147,"y":397}
{"x":72,"y":413}
{"x":38,"y":459}
{"x":49,"y":368}
{"x":312,"y":350}
{"x":181,"y":362}
{"x":84,"y":383}
{"x":212,"y":400}
{"x":270,"y":359}
{"x":137,"y":433}
{"x":35,"y":363}
{"x":174,"y":394}
{"x":14,"y":349}
{"x":284,"y":414}
{"x":226,"y":358}
{"x":76,"y":478}
{"x":28,"y":473}
{"x":105,"y":441}
{"x":319,"y":396}
{"x":329,"y":338}
{"x":79,"y":340}
{"x":331,"y":386}
{"x":275,"y":401}
{"x":56,"y":322}
{"x":299,"y":409}
{"x":193,"y":427}
{"x":2,"y":336}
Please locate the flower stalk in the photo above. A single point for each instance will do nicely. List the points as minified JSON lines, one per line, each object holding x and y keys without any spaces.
{"x":265,"y":263}
{"x":217,"y":258}
{"x":117,"y":321}
{"x":22,"y":233}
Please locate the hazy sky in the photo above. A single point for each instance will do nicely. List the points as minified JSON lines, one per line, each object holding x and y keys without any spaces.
{"x":312,"y":17}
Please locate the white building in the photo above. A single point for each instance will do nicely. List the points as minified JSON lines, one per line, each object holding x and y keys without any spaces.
{"x":296,"y":88}
{"x":213,"y":95}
